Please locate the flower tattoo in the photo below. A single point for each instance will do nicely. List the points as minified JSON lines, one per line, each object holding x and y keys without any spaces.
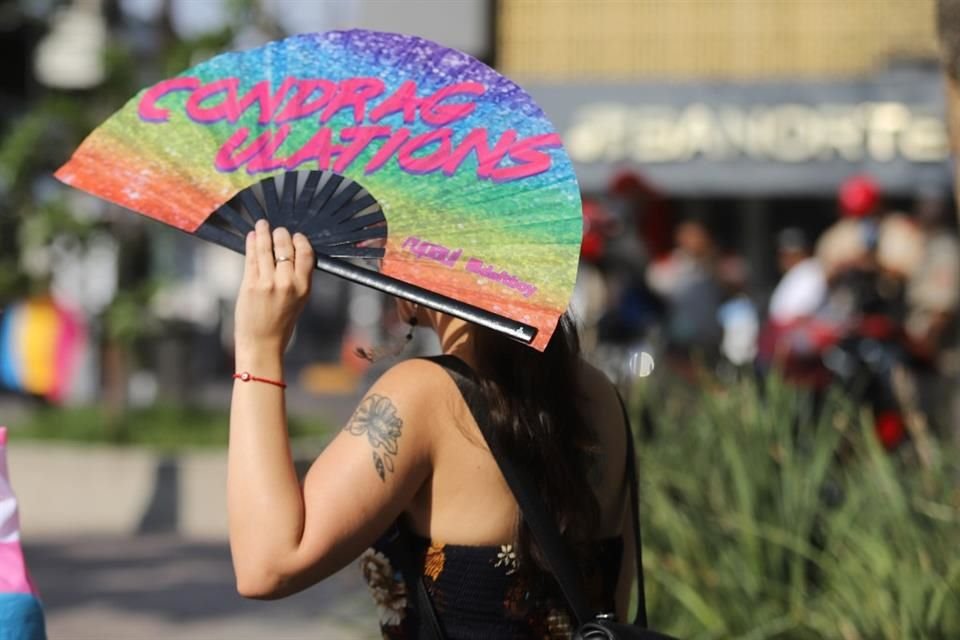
{"x":377,"y":418}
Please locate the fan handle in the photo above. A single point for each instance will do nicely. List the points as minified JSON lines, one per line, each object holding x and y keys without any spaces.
{"x":375,"y":280}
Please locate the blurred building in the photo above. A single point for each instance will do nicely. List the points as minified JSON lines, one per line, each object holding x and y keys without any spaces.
{"x":751,"y":112}
{"x":731,"y":40}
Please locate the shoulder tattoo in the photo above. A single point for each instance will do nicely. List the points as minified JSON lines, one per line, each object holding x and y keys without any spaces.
{"x":377,"y":418}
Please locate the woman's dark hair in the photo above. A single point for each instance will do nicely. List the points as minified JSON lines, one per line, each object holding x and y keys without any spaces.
{"x":532,"y":399}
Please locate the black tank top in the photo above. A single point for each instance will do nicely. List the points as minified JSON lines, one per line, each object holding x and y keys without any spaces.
{"x":477,"y":591}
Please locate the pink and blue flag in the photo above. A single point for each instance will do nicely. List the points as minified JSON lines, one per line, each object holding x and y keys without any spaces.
{"x":21,"y":616}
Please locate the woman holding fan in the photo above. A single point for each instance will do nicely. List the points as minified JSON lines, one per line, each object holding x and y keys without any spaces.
{"x":462,"y":180}
{"x":411,"y":486}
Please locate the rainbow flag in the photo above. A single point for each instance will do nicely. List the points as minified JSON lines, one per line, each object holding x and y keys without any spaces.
{"x":40,"y":344}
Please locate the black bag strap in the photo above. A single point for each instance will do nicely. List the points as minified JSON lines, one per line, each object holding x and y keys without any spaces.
{"x":426,"y":610}
{"x":544,"y":529}
{"x":640,"y":618}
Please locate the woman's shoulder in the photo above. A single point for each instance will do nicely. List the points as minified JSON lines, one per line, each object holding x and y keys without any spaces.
{"x":415,"y":378}
{"x":418,"y":383}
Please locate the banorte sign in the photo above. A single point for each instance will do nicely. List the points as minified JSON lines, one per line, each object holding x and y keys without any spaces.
{"x":881,"y":131}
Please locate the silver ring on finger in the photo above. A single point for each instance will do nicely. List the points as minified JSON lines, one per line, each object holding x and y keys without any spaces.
{"x":280,"y":259}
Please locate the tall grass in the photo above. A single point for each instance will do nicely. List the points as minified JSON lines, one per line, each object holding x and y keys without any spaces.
{"x":765,"y":519}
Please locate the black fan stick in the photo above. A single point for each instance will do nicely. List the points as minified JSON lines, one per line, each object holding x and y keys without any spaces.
{"x":341,"y":221}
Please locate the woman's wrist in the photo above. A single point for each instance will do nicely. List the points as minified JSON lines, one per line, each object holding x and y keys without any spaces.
{"x":262,"y":358}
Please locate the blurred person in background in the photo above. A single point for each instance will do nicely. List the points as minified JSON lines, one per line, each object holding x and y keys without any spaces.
{"x":932,"y":296}
{"x":687,"y":281}
{"x":617,"y":311}
{"x":803,"y":285}
{"x":867,"y":255}
{"x":848,"y":244}
{"x":933,"y":287}
{"x":737,"y":314}
{"x":591,"y":296}
{"x":857,"y":337}
{"x":647,"y":207}
{"x":632,"y":310}
{"x":792,"y":336}
{"x":638,"y":234}
{"x":839,"y":322}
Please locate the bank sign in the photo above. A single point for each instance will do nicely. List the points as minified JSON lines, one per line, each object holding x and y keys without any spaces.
{"x":757,"y":139}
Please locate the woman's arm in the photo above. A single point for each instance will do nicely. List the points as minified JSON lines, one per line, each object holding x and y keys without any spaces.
{"x":265,"y":505}
{"x":284,"y":537}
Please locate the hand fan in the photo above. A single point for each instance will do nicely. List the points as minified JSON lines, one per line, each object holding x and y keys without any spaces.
{"x":413,"y":168}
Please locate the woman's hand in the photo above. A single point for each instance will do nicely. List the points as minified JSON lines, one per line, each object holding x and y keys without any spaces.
{"x":276,"y":284}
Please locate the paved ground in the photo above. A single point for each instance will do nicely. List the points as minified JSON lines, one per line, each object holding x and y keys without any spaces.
{"x":165,"y":588}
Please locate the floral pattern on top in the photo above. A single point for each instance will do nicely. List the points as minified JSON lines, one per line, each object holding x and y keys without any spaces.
{"x":507,"y":558}
{"x":479,"y":591}
{"x":388,"y":589}
{"x":558,"y":624}
{"x":434,"y":560}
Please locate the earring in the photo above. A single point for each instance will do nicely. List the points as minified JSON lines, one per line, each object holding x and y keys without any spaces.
{"x":391,"y":350}
{"x":413,"y":325}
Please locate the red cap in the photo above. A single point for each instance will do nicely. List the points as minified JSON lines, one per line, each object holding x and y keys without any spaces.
{"x":627,"y":182}
{"x":890,"y":429}
{"x":595,"y":221}
{"x":859,"y":196}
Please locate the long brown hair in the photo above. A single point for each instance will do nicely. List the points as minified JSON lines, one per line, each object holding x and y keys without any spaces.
{"x":534,"y":414}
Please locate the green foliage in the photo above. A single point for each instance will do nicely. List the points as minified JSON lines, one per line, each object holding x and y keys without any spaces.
{"x":30,"y":148}
{"x":18,"y":148}
{"x":163,"y":427}
{"x":126,"y":320}
{"x":762,"y":520}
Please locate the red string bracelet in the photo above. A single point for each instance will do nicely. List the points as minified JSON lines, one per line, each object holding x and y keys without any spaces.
{"x":247,"y":377}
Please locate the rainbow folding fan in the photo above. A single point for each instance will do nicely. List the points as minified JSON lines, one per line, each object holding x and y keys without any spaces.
{"x":413,"y":168}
